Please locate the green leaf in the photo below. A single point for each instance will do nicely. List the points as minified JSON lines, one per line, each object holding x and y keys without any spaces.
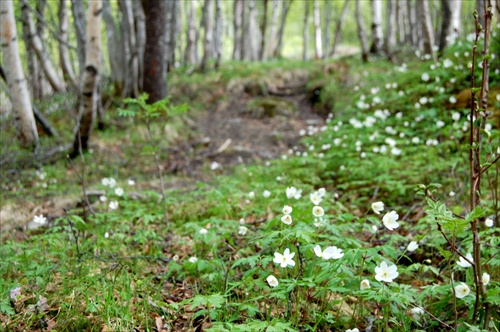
{"x":214,"y":301}
{"x":478,"y":212}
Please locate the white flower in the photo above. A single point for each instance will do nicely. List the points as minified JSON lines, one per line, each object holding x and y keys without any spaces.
{"x":488,"y":222}
{"x":105,"y":182}
{"x":374,"y":228}
{"x":318,"y":211}
{"x":287,"y":209}
{"x":386,"y":273}
{"x":440,"y":124}
{"x":353,"y":330}
{"x":40,"y":219}
{"x":315,"y":198}
{"x":112,"y":182}
{"x":291,"y":192}
{"x":485,"y":278}
{"x":266,"y":193}
{"x":389,"y":220}
{"x":365,"y":284}
{"x":329,"y":252}
{"x":242,"y":221}
{"x":103,"y":198}
{"x":242,"y":230}
{"x":287,"y":219}
{"x":425,"y":77}
{"x":272,"y":281}
{"x":285,"y":259}
{"x":193,"y":259}
{"x":412,"y":246}
{"x":119,"y":191}
{"x":203,"y":231}
{"x":463,"y":263}
{"x":131,"y":182}
{"x":113,"y":205}
{"x":416,"y":313}
{"x":462,"y":290}
{"x":106,"y":235}
{"x":251,"y":195}
{"x":377,"y":207}
{"x":453,"y":100}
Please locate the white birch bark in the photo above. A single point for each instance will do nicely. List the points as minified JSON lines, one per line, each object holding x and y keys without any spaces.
{"x":305,"y":32}
{"x":390,"y":37}
{"x":64,"y":59}
{"x":21,"y":103}
{"x":208,"y":45}
{"x":252,"y":32}
{"x":326,"y":33}
{"x":284,"y":13}
{"x":361,"y":32}
{"x":271,"y":45}
{"x":190,"y":56}
{"x":400,"y":21}
{"x":88,"y":106}
{"x":51,"y":74}
{"x":116,"y":52}
{"x":427,"y":30}
{"x":80,"y":25}
{"x":413,"y":26}
{"x":377,"y":34}
{"x":339,"y":25}
{"x":34,"y":69}
{"x":130,"y":45}
{"x":237,"y":13}
{"x":317,"y":31}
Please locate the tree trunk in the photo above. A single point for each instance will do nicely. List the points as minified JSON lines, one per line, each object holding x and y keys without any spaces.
{"x":480,"y":11}
{"x":80,"y":25}
{"x":18,"y":87}
{"x":450,"y":25}
{"x":172,"y":33}
{"x":140,"y":36}
{"x":41,"y":32}
{"x":263,"y":27}
{"x":64,"y":59}
{"x":317,"y":32}
{"x":244,"y":31}
{"x":208,"y":45}
{"x":33,"y":66}
{"x":218,"y":33}
{"x":237,"y":13}
{"x":190,"y":56}
{"x":400,"y":22}
{"x":271,"y":46}
{"x":390,"y":37}
{"x":427,"y":30}
{"x":155,"y":71}
{"x":305,"y":32}
{"x":285,"y":9}
{"x":131,"y":87}
{"x":252,"y":32}
{"x":377,"y":34}
{"x":361,"y":32}
{"x":89,"y":94}
{"x":412,"y":35}
{"x":338,"y":28}
{"x":116,"y":51}
{"x":326,"y":33}
{"x":53,"y":77}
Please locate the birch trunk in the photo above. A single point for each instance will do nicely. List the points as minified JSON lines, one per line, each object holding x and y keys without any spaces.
{"x":244,"y":31}
{"x":64,"y":59}
{"x":427,"y":30}
{"x":21,"y":103}
{"x":271,"y":46}
{"x":326,"y":33}
{"x":252,"y":32}
{"x":155,"y":71}
{"x":51,"y":74}
{"x":338,"y":28}
{"x":317,"y":31}
{"x":263,"y":27}
{"x":390,"y":37}
{"x":218,"y":33}
{"x":190,"y":55}
{"x":305,"y":32}
{"x":140,"y":36}
{"x":208,"y":45}
{"x":41,"y":32}
{"x":172,"y":34}
{"x":361,"y":32}
{"x":377,"y":34}
{"x":89,"y":93}
{"x":412,"y":31}
{"x":284,"y":14}
{"x":237,"y":13}
{"x":33,"y":65}
{"x":131,"y":87}
{"x":80,"y":25}
{"x":116,"y":52}
{"x":400,"y":21}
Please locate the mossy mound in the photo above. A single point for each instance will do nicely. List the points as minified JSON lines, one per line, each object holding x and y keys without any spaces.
{"x":268,"y":107}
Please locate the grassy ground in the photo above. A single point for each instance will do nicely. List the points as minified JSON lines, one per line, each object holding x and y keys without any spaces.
{"x":206,"y":264}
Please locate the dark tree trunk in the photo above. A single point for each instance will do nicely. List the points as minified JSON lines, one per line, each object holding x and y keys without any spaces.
{"x":155,"y":71}
{"x":263,"y":27}
{"x":445,"y":24}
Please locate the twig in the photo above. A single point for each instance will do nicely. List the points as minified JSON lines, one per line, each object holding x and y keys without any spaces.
{"x":453,"y":247}
{"x":82,"y":179}
{"x":75,"y":235}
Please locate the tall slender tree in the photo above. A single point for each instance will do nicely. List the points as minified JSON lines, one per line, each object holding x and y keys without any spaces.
{"x":89,"y":93}
{"x":190,"y":56}
{"x":338,"y":27}
{"x":390,"y":35}
{"x":237,"y":13}
{"x":271,"y":46}
{"x":64,"y":58}
{"x":361,"y":32}
{"x":19,"y":95}
{"x":208,"y":42}
{"x":427,"y":30}
{"x":305,"y":32}
{"x":155,"y":56}
{"x":317,"y":31}
{"x":377,"y":34}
